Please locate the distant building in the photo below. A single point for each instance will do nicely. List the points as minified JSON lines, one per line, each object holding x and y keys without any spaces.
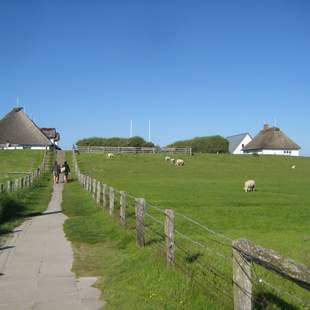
{"x":238,"y":142}
{"x":272,"y":141}
{"x":18,"y":131}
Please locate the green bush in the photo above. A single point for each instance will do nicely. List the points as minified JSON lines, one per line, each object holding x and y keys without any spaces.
{"x":210,"y":144}
{"x":115,"y":141}
{"x":10,"y":207}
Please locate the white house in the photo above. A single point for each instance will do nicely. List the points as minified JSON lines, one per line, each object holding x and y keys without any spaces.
{"x":238,"y":142}
{"x":272,"y":141}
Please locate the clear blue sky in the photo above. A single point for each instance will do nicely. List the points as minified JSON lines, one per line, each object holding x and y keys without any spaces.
{"x":193,"y":67}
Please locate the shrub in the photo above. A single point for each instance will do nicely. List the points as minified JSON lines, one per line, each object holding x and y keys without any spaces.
{"x":115,"y":141}
{"x":10,"y":207}
{"x":210,"y":144}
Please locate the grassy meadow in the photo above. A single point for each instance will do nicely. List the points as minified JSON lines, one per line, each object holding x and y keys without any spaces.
{"x":16,"y":163}
{"x":129,"y":278}
{"x":209,"y":189}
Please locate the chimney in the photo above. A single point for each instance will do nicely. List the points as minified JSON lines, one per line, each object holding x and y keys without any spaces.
{"x":266,"y":126}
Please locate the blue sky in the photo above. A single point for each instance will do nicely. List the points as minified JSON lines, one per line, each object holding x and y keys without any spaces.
{"x":193,"y":68}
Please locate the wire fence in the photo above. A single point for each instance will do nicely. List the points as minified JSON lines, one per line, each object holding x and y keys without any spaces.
{"x":221,"y":270}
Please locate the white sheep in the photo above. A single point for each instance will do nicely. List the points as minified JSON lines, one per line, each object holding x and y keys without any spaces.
{"x":249,"y":186}
{"x":110,"y":155}
{"x":167,"y":158}
{"x":293,"y":167}
{"x":179,"y":162}
{"x":172,"y":160}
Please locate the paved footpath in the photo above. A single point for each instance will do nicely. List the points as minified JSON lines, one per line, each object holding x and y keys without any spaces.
{"x":35,"y":266}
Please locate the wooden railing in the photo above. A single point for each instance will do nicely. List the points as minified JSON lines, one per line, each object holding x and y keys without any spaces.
{"x":134,"y":150}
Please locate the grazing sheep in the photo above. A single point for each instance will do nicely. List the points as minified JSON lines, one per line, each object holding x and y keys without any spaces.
{"x":172,"y":160}
{"x":179,"y":162}
{"x":249,"y":186}
{"x":110,"y":155}
{"x":167,"y":158}
{"x":293,"y":167}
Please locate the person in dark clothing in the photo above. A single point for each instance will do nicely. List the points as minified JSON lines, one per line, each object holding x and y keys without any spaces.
{"x":56,"y":172}
{"x":66,"y":169}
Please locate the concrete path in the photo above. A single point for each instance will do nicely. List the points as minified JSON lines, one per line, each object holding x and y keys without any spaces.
{"x":35,"y":266}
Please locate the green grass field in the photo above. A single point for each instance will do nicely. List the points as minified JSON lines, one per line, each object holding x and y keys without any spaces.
{"x":209,"y":189}
{"x":16,"y":163}
{"x":129,"y":278}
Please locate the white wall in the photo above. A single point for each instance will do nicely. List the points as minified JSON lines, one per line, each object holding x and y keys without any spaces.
{"x":247,"y":139}
{"x":277,"y":152}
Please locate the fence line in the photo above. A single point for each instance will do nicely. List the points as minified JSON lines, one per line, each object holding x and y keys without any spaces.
{"x":244,"y":253}
{"x":133,"y":150}
{"x":26,"y":180}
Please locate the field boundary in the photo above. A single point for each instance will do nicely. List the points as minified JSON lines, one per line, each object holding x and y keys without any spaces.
{"x":237,"y":287}
{"x":133,"y":150}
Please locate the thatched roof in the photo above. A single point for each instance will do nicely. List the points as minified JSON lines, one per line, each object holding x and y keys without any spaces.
{"x":271,"y":139}
{"x":18,"y":129}
{"x":51,"y":133}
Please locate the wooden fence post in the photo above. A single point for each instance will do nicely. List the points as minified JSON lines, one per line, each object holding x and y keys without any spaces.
{"x":169,"y":235}
{"x":1,"y":188}
{"x":98,"y":194}
{"x":16,"y":187}
{"x":104,"y":197}
{"x":94,"y":186}
{"x":122,"y":211}
{"x":242,"y":281}
{"x":89,"y":184}
{"x":140,"y":206}
{"x":8,"y":186}
{"x":112,"y":195}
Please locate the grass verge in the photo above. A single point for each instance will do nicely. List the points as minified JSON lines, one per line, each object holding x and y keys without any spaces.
{"x":129,"y":277}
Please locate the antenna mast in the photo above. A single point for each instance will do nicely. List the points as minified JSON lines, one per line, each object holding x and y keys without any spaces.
{"x":149,"y":130}
{"x":130,"y":130}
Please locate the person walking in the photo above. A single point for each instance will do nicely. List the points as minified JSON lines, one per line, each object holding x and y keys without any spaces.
{"x":56,"y":172}
{"x":66,"y":171}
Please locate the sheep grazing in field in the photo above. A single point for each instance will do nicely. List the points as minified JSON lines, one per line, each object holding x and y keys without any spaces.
{"x":110,"y":155}
{"x":293,"y":167}
{"x":167,"y":158}
{"x":249,"y":186}
{"x":172,"y":160}
{"x":179,"y":162}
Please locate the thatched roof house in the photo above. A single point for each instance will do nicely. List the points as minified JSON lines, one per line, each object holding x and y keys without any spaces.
{"x":272,"y":141}
{"x":17,"y":130}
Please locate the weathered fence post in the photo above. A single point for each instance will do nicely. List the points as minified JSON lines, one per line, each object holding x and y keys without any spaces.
{"x":98,"y":194}
{"x":112,"y":195}
{"x":86,"y":182}
{"x":8,"y":186}
{"x":122,"y":211}
{"x":140,"y":206}
{"x":94,"y":186}
{"x":89,"y":184}
{"x":169,"y":235}
{"x":1,"y":188}
{"x":16,"y":184}
{"x":104,"y":196}
{"x":242,"y":281}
